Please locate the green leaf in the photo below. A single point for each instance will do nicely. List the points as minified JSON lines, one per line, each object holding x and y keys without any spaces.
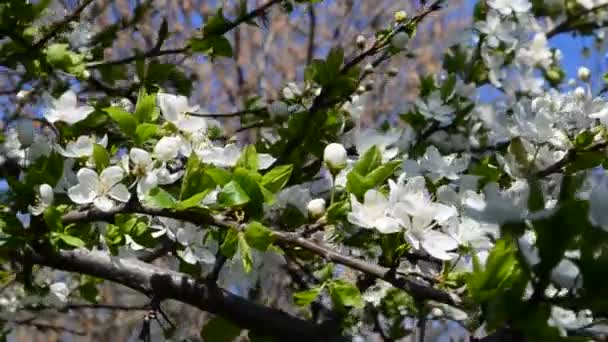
{"x":245,"y":253}
{"x":60,"y":56}
{"x":68,"y":239}
{"x":305,"y":298}
{"x":334,"y":60}
{"x":248,"y":180}
{"x":258,"y":236}
{"x":88,"y":288}
{"x":371,"y":159}
{"x":501,"y":266}
{"x":214,"y":46}
{"x":52,"y":219}
{"x":144,"y":131}
{"x":219,"y":329}
{"x":193,"y":201}
{"x":217,"y":24}
{"x":586,"y":160}
{"x":229,"y":245}
{"x":248,"y":159}
{"x":338,"y":211}
{"x":220,"y":176}
{"x":101,"y":157}
{"x":160,"y":198}
{"x":126,"y":121}
{"x":195,"y":179}
{"x":344,"y":293}
{"x":232,"y":195}
{"x":275,"y":179}
{"x":382,"y":173}
{"x":145,"y":108}
{"x":357,"y":184}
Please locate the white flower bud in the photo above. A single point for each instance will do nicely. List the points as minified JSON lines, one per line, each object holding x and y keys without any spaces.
{"x":334,"y":156}
{"x":360,"y":41}
{"x":580,"y":92}
{"x":278,"y":109}
{"x":316,"y":207}
{"x":25,"y":132}
{"x":584,"y":73}
{"x":46,"y":194}
{"x":86,"y":74}
{"x":368,"y":68}
{"x":360,"y":90}
{"x":167,"y":148}
{"x":400,"y":40}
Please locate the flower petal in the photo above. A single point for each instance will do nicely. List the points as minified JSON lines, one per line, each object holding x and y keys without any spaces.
{"x":104,"y":203}
{"x":111,"y":176}
{"x":120,"y":193}
{"x":437,"y":244}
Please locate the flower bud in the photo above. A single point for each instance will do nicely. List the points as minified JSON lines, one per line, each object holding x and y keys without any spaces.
{"x":392,"y":72}
{"x":400,"y":16}
{"x":368,"y":68}
{"x":360,"y":41}
{"x":278,"y":109}
{"x":580,"y":93}
{"x":334,"y":156}
{"x":25,"y":132}
{"x":360,"y":90}
{"x":46,"y":194}
{"x":584,"y":73}
{"x":316,"y":207}
{"x":400,"y":40}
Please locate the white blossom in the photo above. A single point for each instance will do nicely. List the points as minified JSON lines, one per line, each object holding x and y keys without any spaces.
{"x":66,"y":109}
{"x":373,"y":213}
{"x":435,"y":108}
{"x":175,"y":109}
{"x":507,"y":7}
{"x":101,"y":190}
{"x":44,"y":199}
{"x":81,"y":147}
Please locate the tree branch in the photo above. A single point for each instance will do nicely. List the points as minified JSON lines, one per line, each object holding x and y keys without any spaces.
{"x":165,"y":284}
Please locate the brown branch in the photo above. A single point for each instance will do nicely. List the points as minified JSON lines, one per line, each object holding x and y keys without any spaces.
{"x":312,"y":23}
{"x":165,"y":284}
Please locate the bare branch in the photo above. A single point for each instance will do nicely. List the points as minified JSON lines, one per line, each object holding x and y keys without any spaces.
{"x":165,"y":284}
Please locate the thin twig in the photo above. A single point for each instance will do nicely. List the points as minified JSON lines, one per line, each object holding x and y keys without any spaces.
{"x":57,"y":27}
{"x":228,"y":115}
